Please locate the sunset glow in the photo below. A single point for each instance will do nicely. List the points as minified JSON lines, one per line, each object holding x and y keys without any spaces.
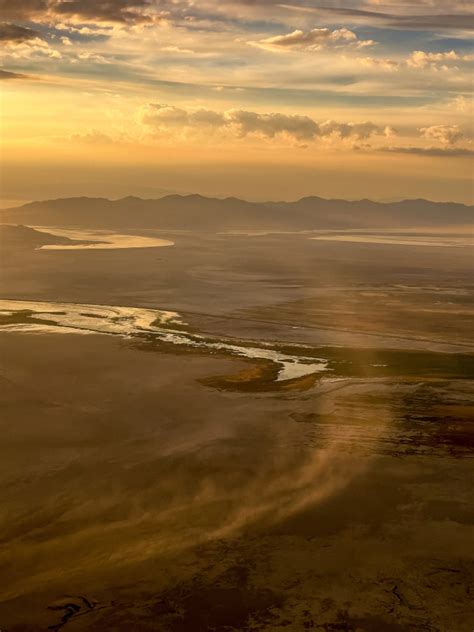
{"x":261,"y":99}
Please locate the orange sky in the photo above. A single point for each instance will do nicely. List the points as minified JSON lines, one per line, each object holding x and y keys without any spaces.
{"x":258,"y":99}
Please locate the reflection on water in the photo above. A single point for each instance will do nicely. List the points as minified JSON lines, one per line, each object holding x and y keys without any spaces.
{"x":105,"y":240}
{"x":42,"y":317}
{"x":453,"y":241}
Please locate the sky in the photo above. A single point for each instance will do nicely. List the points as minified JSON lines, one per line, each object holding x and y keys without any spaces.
{"x":260,"y":99}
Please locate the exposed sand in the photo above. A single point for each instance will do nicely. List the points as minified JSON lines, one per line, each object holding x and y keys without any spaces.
{"x":106,"y":240}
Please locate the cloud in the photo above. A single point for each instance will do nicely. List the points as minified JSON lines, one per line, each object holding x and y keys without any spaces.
{"x":446,"y":134}
{"x":313,"y":40}
{"x":431,"y":14}
{"x":452,"y":18}
{"x":387,"y":65}
{"x":418,"y":60}
{"x":441,"y":152}
{"x":15,"y":33}
{"x":118,"y":11}
{"x":24,"y":43}
{"x":177,"y":50}
{"x":389,"y":131}
{"x":162,"y":116}
{"x":129,"y":11}
{"x":30,"y":49}
{"x":23,"y":9}
{"x":461,"y":22}
{"x":6,"y":75}
{"x":358,"y":131}
{"x":461,"y":103}
{"x":441,"y":5}
{"x":270,"y":125}
{"x":300,"y":129}
{"x":421,"y":59}
{"x":242,"y":123}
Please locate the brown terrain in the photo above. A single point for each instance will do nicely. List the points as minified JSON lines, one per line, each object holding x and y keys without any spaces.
{"x":149,"y":485}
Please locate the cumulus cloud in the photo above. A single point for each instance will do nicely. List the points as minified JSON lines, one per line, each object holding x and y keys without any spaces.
{"x":421,"y":59}
{"x":270,"y":125}
{"x":446,"y":134}
{"x":162,"y":116}
{"x":388,"y":65}
{"x":243,"y":123}
{"x":24,"y":43}
{"x":418,"y":60}
{"x":359,"y":131}
{"x":31,"y":49}
{"x":313,"y":40}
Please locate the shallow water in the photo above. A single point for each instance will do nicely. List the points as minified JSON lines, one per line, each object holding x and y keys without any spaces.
{"x":418,"y":240}
{"x":106,"y":240}
{"x":136,"y":321}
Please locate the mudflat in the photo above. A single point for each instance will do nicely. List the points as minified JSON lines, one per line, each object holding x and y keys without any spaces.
{"x":150,"y":485}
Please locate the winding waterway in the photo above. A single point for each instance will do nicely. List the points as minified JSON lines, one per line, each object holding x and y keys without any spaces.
{"x":166,"y":326}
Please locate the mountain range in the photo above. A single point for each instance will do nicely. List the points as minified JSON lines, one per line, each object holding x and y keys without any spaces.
{"x":195,"y":212}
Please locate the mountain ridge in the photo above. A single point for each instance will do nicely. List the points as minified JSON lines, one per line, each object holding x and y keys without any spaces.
{"x":197,"y":212}
{"x":185,"y":196}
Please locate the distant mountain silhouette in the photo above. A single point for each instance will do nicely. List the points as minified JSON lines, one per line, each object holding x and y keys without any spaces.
{"x":195,"y":212}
